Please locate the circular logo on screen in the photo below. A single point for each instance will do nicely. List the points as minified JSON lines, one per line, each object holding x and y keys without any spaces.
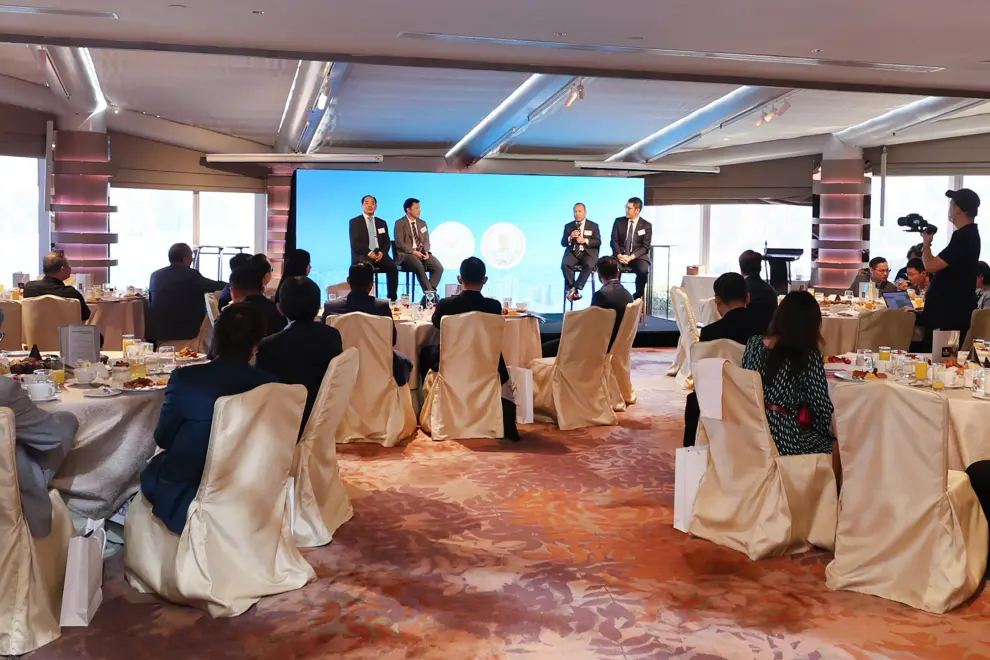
{"x":503,"y":246}
{"x":452,"y":243}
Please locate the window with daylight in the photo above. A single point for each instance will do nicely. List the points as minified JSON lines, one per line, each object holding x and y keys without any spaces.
{"x":736,"y":228}
{"x":907,"y":194}
{"x":226,"y":220}
{"x":148,"y":223}
{"x":18,"y":218}
{"x":679,"y":227}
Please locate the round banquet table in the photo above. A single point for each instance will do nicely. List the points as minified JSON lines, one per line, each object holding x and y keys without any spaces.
{"x":114,"y":442}
{"x":839,"y":333}
{"x":117,"y":318}
{"x":520,"y":344}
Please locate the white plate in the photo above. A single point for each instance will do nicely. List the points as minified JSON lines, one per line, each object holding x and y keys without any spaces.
{"x":981,"y":397}
{"x":102,"y":393}
{"x":17,"y":354}
{"x":153,"y":388}
{"x":846,"y":376}
{"x":201,"y":356}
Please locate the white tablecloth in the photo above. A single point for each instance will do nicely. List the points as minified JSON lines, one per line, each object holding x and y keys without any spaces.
{"x":114,"y":442}
{"x":698,"y":287}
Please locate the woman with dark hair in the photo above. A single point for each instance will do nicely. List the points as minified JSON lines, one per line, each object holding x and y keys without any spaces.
{"x":795,"y":391}
{"x":983,"y":285}
{"x":297,"y":264}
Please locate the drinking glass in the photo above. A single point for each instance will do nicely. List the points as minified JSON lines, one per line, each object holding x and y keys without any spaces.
{"x":139,"y":367}
{"x":980,"y":381}
{"x":58,"y":373}
{"x":884,"y":354}
{"x":121,"y":372}
{"x":848,"y":295}
{"x":417,"y":311}
{"x":864,"y":359}
{"x":405,"y":299}
{"x":506,"y":304}
{"x":921,"y":370}
{"x":166,"y":359}
{"x":43,"y":376}
{"x":126,"y":340}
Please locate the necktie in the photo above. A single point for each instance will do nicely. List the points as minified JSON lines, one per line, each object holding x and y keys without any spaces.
{"x":629,"y":237}
{"x":372,"y":237}
{"x":415,"y":231}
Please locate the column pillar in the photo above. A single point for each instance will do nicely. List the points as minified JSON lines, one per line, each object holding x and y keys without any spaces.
{"x":840,"y":230}
{"x":279,"y":186}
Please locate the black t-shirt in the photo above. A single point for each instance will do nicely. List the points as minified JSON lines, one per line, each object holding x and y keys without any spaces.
{"x":951,"y":298}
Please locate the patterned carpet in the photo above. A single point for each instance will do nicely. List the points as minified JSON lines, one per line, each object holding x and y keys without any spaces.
{"x":560,"y":546}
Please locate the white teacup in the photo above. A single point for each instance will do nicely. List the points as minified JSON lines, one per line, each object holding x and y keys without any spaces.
{"x":39,"y":391}
{"x":85,"y":375}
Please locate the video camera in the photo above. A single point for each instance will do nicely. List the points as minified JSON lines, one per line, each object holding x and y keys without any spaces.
{"x":916,"y":224}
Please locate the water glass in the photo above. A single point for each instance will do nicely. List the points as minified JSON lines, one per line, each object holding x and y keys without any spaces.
{"x":864,"y":359}
{"x":43,"y":376}
{"x":980,"y":381}
{"x":120,"y":373}
{"x":848,"y":295}
{"x":404,"y":299}
{"x":166,"y":359}
{"x":506,"y":304}
{"x":417,"y":311}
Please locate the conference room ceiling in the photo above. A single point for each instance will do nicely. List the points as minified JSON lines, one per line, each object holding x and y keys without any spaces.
{"x":659,"y":39}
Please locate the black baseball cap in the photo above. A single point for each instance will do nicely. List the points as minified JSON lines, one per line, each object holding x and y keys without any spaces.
{"x":967,"y":200}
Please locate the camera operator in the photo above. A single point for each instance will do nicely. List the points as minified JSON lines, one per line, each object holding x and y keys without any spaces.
{"x":950,"y":301}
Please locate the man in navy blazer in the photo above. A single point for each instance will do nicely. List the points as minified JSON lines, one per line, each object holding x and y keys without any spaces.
{"x":171,"y":479}
{"x":370,"y":243}
{"x":176,"y":306}
{"x":632,"y":237}
{"x":300,"y":354}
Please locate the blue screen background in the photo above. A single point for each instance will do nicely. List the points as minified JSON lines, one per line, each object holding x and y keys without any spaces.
{"x":513,"y":222}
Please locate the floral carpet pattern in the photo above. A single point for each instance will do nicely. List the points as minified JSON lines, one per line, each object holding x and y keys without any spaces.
{"x":560,"y":546}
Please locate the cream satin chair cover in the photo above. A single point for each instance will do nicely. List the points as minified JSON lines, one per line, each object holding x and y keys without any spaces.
{"x":379,"y":410}
{"x":44,"y":315}
{"x":909,"y":530}
{"x":688,"y":326}
{"x":237,"y":544}
{"x":212,"y":307}
{"x":32,"y":571}
{"x":463,"y":399}
{"x":717,"y":348}
{"x":322,"y":504}
{"x":751,"y":499}
{"x":979,"y":327}
{"x":885,"y":327}
{"x":620,"y":387}
{"x":572,"y":389}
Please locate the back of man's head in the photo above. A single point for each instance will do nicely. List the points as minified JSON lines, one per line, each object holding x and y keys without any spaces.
{"x":750,"y":263}
{"x":247,"y":280}
{"x":299,"y":299}
{"x":237,"y":331}
{"x":473,"y":272}
{"x":608,"y":268}
{"x":730,"y":288}
{"x":361,"y":277}
{"x":239,"y":260}
{"x":178,"y":253}
{"x":53,"y":263}
{"x":261,"y":263}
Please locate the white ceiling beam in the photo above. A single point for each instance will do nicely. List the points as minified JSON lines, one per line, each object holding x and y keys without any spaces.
{"x":71,"y":75}
{"x":752,"y":153}
{"x":300,"y":100}
{"x":533,"y":99}
{"x":322,"y":117}
{"x":720,"y":113}
{"x":876,"y":131}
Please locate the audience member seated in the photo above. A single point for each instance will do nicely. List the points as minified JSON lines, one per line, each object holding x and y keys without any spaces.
{"x":612,"y":295}
{"x":472,"y":279}
{"x":361,"y":279}
{"x":296,"y":264}
{"x":57,"y":269}
{"x":799,"y":411}
{"x":901,"y":280}
{"x":247,"y":285}
{"x":762,"y":297}
{"x":172,"y":477}
{"x":918,"y":277}
{"x":878,"y":272}
{"x":236,"y":262}
{"x":175,"y":298}
{"x":301,"y":353}
{"x":983,"y":286}
{"x":736,"y":323}
{"x":42,"y":442}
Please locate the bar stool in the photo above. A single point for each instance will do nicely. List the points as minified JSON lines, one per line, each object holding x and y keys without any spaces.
{"x":576,"y":270}
{"x":647,"y":307}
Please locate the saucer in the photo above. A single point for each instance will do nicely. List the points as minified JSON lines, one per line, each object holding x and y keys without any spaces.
{"x":54,"y":397}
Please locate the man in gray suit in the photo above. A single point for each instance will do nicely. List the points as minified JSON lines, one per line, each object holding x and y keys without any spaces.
{"x":412,"y":247}
{"x":42,"y":442}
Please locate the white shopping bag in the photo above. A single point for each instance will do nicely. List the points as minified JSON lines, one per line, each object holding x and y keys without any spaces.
{"x":83,"y":591}
{"x":292,"y":504}
{"x":522,"y":387}
{"x":689,"y":467}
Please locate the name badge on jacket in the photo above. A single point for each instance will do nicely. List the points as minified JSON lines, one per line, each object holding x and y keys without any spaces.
{"x":422,"y":230}
{"x":641,"y":232}
{"x":587,"y":232}
{"x":381,"y":230}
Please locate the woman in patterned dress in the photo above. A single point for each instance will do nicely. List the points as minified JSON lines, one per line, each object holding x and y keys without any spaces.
{"x":795,"y":391}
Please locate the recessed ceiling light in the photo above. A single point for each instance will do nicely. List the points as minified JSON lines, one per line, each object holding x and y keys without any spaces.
{"x":816,"y":50}
{"x":177,"y":7}
{"x":55,"y":11}
{"x":560,"y":34}
{"x":258,"y":12}
{"x":635,"y":38}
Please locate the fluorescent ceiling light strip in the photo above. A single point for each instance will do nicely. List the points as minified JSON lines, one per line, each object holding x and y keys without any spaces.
{"x":645,"y":167}
{"x":294,"y":158}
{"x":288,"y":97}
{"x":667,"y":52}
{"x":56,"y":11}
{"x":94,"y":79}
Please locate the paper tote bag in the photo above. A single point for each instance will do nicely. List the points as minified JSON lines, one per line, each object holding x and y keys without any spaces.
{"x":690,"y":464}
{"x":83,"y":591}
{"x":522,"y":379}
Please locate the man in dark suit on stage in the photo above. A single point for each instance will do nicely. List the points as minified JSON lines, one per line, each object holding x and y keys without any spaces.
{"x":631,"y":240}
{"x":738,"y":323}
{"x":762,"y":297}
{"x":361,"y":279}
{"x":581,"y":241}
{"x":370,"y":243}
{"x":301,"y":353}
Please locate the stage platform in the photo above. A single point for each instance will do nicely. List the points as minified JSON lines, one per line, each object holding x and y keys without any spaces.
{"x":657,"y":333}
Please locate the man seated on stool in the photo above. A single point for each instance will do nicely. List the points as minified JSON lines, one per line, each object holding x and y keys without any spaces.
{"x":737,"y":323}
{"x":57,"y":269}
{"x":581,"y":242}
{"x":472,"y":278}
{"x":41,"y":442}
{"x":612,"y":295}
{"x":370,"y":243}
{"x":412,"y":247}
{"x":300,"y":354}
{"x":631,"y":240}
{"x":172,"y":477}
{"x":361,"y":279}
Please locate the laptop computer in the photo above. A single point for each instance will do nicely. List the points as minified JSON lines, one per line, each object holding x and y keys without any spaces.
{"x":898,"y":300}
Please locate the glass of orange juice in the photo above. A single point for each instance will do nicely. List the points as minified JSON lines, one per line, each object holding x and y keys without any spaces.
{"x":58,"y":373}
{"x":885,"y":353}
{"x":921,"y":370}
{"x":126,"y":340}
